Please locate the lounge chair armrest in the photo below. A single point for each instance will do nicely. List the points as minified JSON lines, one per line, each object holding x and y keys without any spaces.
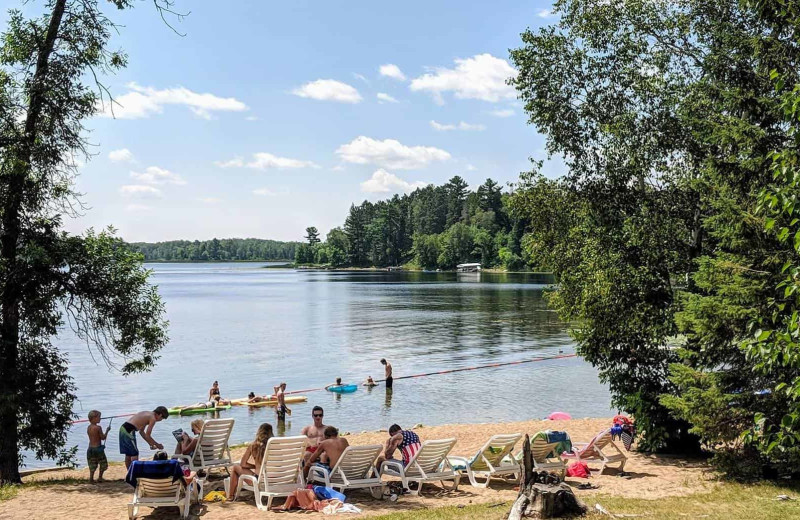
{"x":458,"y":463}
{"x":184,"y":458}
{"x":393,"y":465}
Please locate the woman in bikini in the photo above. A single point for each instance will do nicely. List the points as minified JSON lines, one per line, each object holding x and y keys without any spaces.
{"x":251,"y":460}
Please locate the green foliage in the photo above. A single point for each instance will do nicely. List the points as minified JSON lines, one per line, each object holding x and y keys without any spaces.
{"x":94,"y":283}
{"x":312,"y":236}
{"x":436,"y":227}
{"x":228,"y":249}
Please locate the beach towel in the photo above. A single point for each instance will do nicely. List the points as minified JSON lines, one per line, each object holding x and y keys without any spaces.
{"x":304,"y":499}
{"x":623,"y":429}
{"x":156,"y":469}
{"x":326,"y":493}
{"x":578,"y":469}
{"x":551,"y":436}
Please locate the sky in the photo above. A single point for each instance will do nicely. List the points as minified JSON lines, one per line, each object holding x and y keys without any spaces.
{"x":268,"y":117}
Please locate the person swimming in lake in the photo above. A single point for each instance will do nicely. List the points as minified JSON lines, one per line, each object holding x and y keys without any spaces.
{"x":338,"y":383}
{"x":369,"y":382}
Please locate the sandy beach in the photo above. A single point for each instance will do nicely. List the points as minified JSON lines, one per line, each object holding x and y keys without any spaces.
{"x":650,"y":477}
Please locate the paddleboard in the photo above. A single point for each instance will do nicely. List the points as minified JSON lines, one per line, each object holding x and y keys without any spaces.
{"x":178,"y":411}
{"x":289,"y":399}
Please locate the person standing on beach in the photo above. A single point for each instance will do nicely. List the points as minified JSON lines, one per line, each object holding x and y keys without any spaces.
{"x":387,"y":367}
{"x":142,"y":422}
{"x":96,"y":453}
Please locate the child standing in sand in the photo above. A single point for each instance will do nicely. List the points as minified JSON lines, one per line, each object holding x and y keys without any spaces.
{"x":96,"y":453}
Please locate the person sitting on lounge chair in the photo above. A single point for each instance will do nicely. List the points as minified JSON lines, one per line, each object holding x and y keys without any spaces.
{"x":188,"y":443}
{"x":332,"y":447}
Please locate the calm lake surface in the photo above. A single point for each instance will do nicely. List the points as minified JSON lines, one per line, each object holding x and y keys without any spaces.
{"x":251,"y":328}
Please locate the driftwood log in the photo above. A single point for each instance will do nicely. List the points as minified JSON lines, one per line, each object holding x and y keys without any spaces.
{"x":540,"y":500}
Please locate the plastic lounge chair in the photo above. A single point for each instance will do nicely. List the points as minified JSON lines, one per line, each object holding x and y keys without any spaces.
{"x":593,"y":451}
{"x":355,"y":469}
{"x":212,"y":449}
{"x":160,"y":492}
{"x":428,"y":464}
{"x":492,"y":460}
{"x":280,"y":473}
{"x":545,"y":456}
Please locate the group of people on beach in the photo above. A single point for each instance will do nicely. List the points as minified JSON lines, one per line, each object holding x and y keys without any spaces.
{"x":325,"y":445}
{"x":324,"y":449}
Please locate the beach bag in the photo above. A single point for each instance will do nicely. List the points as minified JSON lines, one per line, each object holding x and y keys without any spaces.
{"x":624,"y":430}
{"x":578,"y":469}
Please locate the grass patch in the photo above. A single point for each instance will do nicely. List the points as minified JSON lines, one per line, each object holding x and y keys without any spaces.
{"x":727,"y":501}
{"x":8,"y":492}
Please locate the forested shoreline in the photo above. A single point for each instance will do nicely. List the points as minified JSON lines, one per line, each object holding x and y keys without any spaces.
{"x":217,"y":250}
{"x":434,"y":227}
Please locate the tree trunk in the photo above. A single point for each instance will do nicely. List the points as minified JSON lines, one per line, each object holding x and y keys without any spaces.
{"x":540,"y":500}
{"x":12,"y":285}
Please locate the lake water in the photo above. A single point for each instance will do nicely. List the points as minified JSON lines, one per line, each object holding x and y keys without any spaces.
{"x":251,"y":328}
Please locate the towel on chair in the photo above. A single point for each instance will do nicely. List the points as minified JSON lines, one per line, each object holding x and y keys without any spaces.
{"x":156,"y":469}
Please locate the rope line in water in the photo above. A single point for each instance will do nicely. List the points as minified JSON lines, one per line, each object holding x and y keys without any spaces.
{"x":440,"y":372}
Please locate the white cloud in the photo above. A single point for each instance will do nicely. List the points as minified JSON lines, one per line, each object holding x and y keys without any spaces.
{"x":361,"y":77}
{"x":264,"y":192}
{"x":385,"y":182}
{"x":328,"y":90}
{"x":140,"y":191}
{"x":506,"y":112}
{"x":390,"y":70}
{"x":209,"y":200}
{"x":251,"y":118}
{"x":389,"y":153}
{"x":460,"y":126}
{"x":137,"y":208}
{"x":143,"y":102}
{"x":121,"y":155}
{"x":481,"y":77}
{"x":156,"y":175}
{"x":471,"y":168}
{"x":265,"y":161}
{"x":385,"y":98}
{"x":338,"y":168}
{"x":544,"y":13}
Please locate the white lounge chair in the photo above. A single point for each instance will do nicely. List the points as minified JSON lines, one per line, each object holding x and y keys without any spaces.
{"x":429,"y":464}
{"x":593,"y":451}
{"x":159,"y":493}
{"x":280,"y":473}
{"x":355,"y":469}
{"x":493,"y":460}
{"x":212,"y":449}
{"x":541,"y":451}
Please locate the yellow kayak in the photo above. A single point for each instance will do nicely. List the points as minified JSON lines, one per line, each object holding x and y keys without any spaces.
{"x":272,"y":401}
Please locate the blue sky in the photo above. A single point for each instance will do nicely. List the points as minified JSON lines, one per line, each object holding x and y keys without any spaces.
{"x":268,"y":117}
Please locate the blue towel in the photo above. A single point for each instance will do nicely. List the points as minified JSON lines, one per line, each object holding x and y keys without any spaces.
{"x":156,"y":469}
{"x":326,"y":493}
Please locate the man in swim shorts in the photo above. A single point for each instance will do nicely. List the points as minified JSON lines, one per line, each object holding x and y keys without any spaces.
{"x":142,"y":422}
{"x":280,"y":395}
{"x":315,"y":432}
{"x":387,"y":371}
{"x":331,"y":447}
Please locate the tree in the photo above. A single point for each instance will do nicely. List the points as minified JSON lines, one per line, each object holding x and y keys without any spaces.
{"x":312,"y":236}
{"x":456,"y":191}
{"x":93,"y":282}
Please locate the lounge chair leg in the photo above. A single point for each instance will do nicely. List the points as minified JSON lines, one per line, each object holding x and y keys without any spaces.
{"x":379,"y":495}
{"x":269,"y":502}
{"x":131,"y":512}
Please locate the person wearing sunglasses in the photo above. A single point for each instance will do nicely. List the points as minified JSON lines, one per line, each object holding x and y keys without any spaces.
{"x":315,"y":432}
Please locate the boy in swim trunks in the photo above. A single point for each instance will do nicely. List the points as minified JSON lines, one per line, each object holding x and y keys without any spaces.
{"x":280,"y":395}
{"x":142,"y":422}
{"x":96,"y":453}
{"x":332,"y":447}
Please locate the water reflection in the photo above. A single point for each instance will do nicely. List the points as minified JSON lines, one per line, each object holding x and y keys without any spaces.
{"x":273,"y":324}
